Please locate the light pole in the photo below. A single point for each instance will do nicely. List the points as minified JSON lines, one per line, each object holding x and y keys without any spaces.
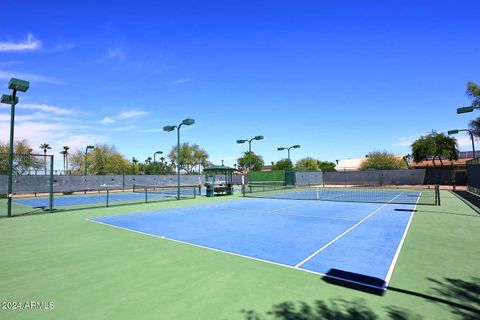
{"x":187,"y":122}
{"x":250,"y":149}
{"x":467,"y":109}
{"x":288,"y":149}
{"x":14,"y":85}
{"x":86,"y":159}
{"x":154,"y":161}
{"x":471,"y":137}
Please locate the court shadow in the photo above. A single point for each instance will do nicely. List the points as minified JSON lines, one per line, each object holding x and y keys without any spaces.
{"x":355,"y":281}
{"x":338,"y":309}
{"x":470,"y":199}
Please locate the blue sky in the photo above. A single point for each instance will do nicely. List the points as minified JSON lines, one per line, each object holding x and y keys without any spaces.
{"x":339,"y":78}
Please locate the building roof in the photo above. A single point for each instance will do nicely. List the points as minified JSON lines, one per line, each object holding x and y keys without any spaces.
{"x":429,"y":163}
{"x":349,"y":164}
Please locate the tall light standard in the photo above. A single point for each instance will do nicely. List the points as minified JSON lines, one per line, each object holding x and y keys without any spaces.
{"x":471,"y":137}
{"x":187,"y":122}
{"x":250,"y":149}
{"x":14,"y":85}
{"x":288,"y":149}
{"x":86,"y":159}
{"x":155,"y":162}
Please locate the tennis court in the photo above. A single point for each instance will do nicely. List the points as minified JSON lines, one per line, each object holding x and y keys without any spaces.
{"x":355,"y":242}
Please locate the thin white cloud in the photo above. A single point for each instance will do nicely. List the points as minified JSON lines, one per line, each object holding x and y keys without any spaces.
{"x":6,"y":75}
{"x":124,"y":128}
{"x":180,"y":81}
{"x":46,"y":108}
{"x":115,"y":54}
{"x":107,"y":120}
{"x":29,"y":44}
{"x":405,"y":141}
{"x":125,"y":115}
{"x":131,"y":114}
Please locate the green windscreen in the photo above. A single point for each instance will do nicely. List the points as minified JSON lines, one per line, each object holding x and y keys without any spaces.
{"x":275,"y":177}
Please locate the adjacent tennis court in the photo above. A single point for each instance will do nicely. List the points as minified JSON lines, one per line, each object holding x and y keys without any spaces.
{"x":355,"y":242}
{"x":111,"y":195}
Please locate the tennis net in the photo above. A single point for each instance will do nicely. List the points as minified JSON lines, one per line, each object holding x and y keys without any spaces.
{"x":186,"y":191}
{"x":428,"y":195}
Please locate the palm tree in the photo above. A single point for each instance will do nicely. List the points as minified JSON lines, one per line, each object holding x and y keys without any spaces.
{"x":65,"y":160}
{"x":45,"y":147}
{"x":473,"y":92}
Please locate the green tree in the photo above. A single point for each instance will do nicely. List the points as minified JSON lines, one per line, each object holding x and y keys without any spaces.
{"x":382,"y":160}
{"x":45,"y":147}
{"x":248,"y":157}
{"x":103,"y":159}
{"x":434,"y":146}
{"x":307,"y":164}
{"x":282,"y":164}
{"x":190,"y":156}
{"x":23,"y":161}
{"x":326,"y":166}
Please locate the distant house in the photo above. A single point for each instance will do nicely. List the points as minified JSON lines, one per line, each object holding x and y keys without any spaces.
{"x":353,"y":164}
{"x":459,"y":164}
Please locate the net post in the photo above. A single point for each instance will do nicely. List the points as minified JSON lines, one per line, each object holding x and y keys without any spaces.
{"x":50,"y":200}
{"x":108,"y":193}
{"x":437,"y":187}
{"x":146,"y":195}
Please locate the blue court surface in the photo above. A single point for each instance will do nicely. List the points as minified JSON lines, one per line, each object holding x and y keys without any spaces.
{"x":355,"y":242}
{"x":93,"y":199}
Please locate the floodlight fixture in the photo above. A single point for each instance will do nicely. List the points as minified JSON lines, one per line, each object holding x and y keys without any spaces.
{"x":471,"y":137}
{"x":466,"y":109}
{"x":18,"y":85}
{"x":188,"y":121}
{"x":250,"y":148}
{"x":15,"y":85}
{"x":288,"y":149}
{"x":7,"y":99}
{"x":169,"y":128}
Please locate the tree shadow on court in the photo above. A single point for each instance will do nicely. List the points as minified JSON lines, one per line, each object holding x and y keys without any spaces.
{"x":335,"y":309}
{"x":463,"y":295}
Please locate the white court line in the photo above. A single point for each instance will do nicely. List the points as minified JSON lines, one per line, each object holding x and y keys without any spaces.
{"x":399,"y":248}
{"x":343,"y":234}
{"x":237,"y":255}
